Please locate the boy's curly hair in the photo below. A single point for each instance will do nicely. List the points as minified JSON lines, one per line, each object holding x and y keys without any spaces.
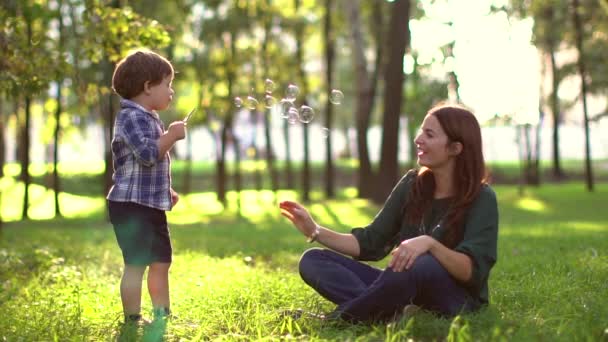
{"x":137,"y":68}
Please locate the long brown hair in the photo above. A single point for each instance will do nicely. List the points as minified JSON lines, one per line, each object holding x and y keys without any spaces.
{"x":469,"y":174}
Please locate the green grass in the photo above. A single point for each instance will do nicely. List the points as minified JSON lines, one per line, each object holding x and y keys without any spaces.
{"x":85,"y":181}
{"x":232,"y":275}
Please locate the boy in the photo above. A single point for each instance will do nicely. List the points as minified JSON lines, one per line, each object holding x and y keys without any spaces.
{"x":142,"y":179}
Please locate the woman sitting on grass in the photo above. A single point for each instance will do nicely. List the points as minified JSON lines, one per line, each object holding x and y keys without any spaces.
{"x":440,"y":225}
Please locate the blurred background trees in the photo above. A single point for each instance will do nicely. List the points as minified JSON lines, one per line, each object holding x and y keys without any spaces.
{"x":57,"y":58}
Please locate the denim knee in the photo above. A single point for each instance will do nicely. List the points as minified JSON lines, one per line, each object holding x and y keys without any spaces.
{"x":309,"y":263}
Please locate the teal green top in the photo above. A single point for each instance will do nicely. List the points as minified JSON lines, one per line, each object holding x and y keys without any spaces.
{"x":389,"y":228}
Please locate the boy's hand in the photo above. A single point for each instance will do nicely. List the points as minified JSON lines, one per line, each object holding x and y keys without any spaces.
{"x":174,"y":197}
{"x":177,"y":130}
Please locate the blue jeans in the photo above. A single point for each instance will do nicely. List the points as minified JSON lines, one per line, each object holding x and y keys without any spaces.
{"x":365,"y":293}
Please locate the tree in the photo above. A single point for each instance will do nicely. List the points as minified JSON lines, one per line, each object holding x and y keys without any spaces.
{"x":582,"y":69}
{"x":550,"y":25}
{"x":329,"y":63}
{"x":24,"y":33}
{"x":366,"y":86}
{"x":398,"y":40}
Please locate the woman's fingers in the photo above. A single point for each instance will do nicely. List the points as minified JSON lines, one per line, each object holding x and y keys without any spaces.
{"x":402,"y":259}
{"x":287,"y":214}
{"x":410,"y":261}
{"x":288,"y":204}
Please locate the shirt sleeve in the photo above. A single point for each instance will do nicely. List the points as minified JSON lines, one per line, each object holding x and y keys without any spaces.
{"x":139,"y":132}
{"x":377,"y":239}
{"x":481,"y":237}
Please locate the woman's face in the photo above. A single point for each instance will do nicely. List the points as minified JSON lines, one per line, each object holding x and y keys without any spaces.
{"x":432,"y":144}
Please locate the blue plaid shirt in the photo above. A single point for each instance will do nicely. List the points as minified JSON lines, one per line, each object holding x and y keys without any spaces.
{"x":140,"y":176}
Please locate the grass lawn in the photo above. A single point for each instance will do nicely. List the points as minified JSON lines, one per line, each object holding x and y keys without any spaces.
{"x":232,"y":275}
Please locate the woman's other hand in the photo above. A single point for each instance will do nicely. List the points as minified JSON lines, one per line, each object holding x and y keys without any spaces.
{"x":405,"y":254}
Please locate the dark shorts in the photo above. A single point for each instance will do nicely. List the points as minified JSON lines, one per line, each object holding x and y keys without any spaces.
{"x":142,"y":233}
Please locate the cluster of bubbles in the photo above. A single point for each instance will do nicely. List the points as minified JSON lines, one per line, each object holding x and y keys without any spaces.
{"x":286,"y":106}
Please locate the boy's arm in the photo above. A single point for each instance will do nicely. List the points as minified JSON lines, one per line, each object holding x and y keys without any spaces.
{"x":175,"y":132}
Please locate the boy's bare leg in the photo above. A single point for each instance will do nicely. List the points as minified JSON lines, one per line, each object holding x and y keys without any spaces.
{"x":130,"y":289}
{"x":158,"y":285}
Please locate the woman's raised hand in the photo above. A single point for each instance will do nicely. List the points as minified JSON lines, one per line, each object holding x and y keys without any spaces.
{"x":299,"y":216}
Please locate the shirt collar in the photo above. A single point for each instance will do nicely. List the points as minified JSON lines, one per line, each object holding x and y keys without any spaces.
{"x":125,"y":103}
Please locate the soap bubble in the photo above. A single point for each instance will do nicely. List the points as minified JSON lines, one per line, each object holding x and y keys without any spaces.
{"x":269,"y":101}
{"x":251,"y":102}
{"x":292,"y":116}
{"x":285,"y":106}
{"x":306,"y":114}
{"x":291,"y":93}
{"x":238,"y":102}
{"x":336,"y":97}
{"x":268,"y":85}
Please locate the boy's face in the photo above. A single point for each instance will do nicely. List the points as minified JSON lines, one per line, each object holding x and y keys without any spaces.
{"x":161,"y":94}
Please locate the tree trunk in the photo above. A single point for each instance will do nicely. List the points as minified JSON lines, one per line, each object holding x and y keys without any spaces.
{"x":453,"y":84}
{"x":399,"y":37}
{"x":237,"y":172}
{"x":555,"y":113}
{"x":578,"y":30}
{"x":221,"y":167}
{"x":56,"y":185}
{"x":108,"y":115}
{"x":528,"y":154}
{"x":274,"y":177}
{"x":59,"y":99}
{"x":305,"y":91}
{"x":253,"y":115}
{"x":288,"y":165}
{"x":366,"y":89}
{"x":25,"y":160}
{"x":187,"y":176}
{"x":414,"y":82}
{"x":536,"y":166}
{"x":329,"y":63}
{"x":2,"y":155}
{"x":256,"y":156}
{"x":227,"y":126}
{"x":108,"y":118}
{"x":2,"y":143}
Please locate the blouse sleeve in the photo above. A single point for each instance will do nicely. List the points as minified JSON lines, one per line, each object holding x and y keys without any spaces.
{"x":480,"y":237}
{"x":377,"y":239}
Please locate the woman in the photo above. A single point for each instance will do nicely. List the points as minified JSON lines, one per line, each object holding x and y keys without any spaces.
{"x":440,"y":225}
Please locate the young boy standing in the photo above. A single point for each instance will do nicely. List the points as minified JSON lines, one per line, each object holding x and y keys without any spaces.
{"x":142,"y":179}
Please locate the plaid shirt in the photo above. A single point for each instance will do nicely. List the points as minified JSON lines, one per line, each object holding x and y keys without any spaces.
{"x":140,"y":176}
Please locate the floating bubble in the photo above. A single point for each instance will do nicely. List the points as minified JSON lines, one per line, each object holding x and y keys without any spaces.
{"x":291,"y":93}
{"x":285,"y":106}
{"x":306,"y":114}
{"x":238,"y":102}
{"x":336,"y":96}
{"x":292,"y":116}
{"x":268,"y":85}
{"x":325,"y":132}
{"x":251,"y":102}
{"x":269,"y":101}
